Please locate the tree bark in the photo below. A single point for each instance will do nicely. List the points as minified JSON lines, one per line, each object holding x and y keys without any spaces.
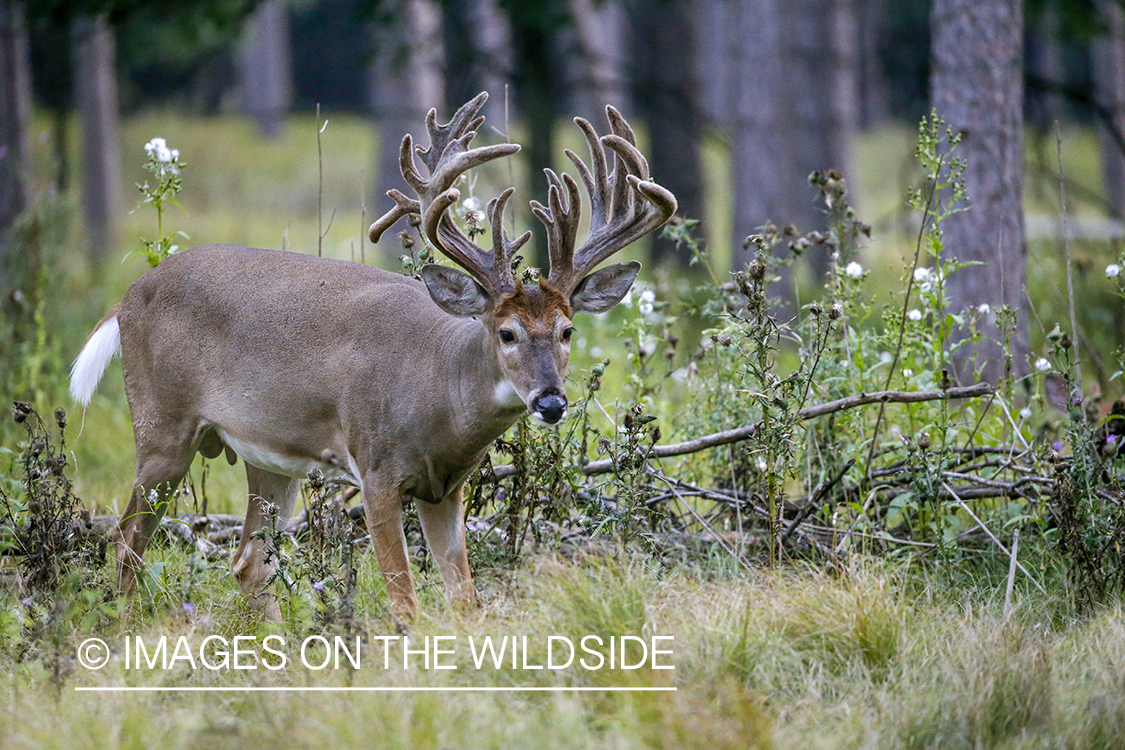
{"x":95,"y":86}
{"x":666,"y":94}
{"x":596,"y":74}
{"x":477,"y":56}
{"x":15,"y":113}
{"x":821,"y":41}
{"x":874,"y":107}
{"x":406,"y":83}
{"x":977,"y":85}
{"x":1109,"y":83}
{"x":264,"y":68}
{"x":761,"y":156}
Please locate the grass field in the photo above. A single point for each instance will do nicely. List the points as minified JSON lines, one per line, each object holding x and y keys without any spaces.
{"x":868,"y":653}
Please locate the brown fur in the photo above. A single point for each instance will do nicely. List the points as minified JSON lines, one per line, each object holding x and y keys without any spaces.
{"x":534,"y":303}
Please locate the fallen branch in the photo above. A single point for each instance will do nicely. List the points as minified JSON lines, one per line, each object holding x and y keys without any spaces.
{"x":738,"y":434}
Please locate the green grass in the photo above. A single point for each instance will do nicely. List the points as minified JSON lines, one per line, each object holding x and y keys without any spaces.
{"x":864,"y":656}
{"x":871,"y":655}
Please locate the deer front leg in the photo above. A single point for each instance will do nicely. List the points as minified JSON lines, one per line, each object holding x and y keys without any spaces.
{"x":384,"y":523}
{"x":254,"y":564}
{"x":444,"y":526}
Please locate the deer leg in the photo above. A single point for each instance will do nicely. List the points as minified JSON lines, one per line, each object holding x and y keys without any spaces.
{"x":159,"y":471}
{"x":444,"y":526}
{"x":384,"y":523}
{"x":254,"y":563}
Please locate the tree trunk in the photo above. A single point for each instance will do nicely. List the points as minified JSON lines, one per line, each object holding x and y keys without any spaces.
{"x":1044,"y":61}
{"x":821,"y":41}
{"x":264,"y":68}
{"x":717,"y":53}
{"x":477,"y":56}
{"x":1109,"y":82}
{"x":406,"y":83}
{"x":15,"y":112}
{"x":761,"y":156}
{"x":977,"y":85}
{"x":666,"y":94}
{"x":595,"y":59}
{"x":536,"y":93}
{"x":874,"y":108}
{"x":95,"y":86}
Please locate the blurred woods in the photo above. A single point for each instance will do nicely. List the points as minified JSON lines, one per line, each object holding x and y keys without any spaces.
{"x":783,"y":86}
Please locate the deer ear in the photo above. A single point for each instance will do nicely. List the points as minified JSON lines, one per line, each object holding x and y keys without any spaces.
{"x":455,"y":292}
{"x":604,"y":288}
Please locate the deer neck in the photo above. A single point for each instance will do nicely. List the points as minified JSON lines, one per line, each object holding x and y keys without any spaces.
{"x":485,"y":403}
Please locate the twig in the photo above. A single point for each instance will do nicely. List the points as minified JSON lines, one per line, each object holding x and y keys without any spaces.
{"x":1011,"y":575}
{"x":1069,"y":280}
{"x":992,"y":536}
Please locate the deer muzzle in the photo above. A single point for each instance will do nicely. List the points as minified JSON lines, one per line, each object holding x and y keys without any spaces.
{"x":549,"y":406}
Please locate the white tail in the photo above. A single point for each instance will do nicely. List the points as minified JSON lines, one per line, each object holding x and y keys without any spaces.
{"x":101,"y":348}
{"x":297,"y":363}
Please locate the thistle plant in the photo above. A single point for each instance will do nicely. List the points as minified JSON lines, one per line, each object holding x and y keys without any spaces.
{"x":166,"y":167}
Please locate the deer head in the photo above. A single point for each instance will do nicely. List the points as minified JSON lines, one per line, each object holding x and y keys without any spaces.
{"x":529,"y":325}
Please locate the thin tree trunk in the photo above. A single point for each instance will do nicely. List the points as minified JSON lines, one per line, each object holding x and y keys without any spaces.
{"x":477,"y":56}
{"x":666,"y":93}
{"x":15,"y":112}
{"x":406,"y":83}
{"x":821,"y":41}
{"x":977,"y":85}
{"x":264,"y":68}
{"x":761,"y":158}
{"x":874,"y":108}
{"x":718,"y":50}
{"x":536,"y":89}
{"x":596,"y":66}
{"x":1044,"y":62}
{"x":1109,"y":82}
{"x":95,"y":85}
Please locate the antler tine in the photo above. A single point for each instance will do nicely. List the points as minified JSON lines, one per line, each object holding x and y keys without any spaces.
{"x":403,"y":207}
{"x":464,"y":121}
{"x":625,"y":207}
{"x":561,"y":218}
{"x":447,"y":157}
{"x":503,"y":247}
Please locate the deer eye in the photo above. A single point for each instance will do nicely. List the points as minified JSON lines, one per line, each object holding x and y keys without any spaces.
{"x":507,"y":336}
{"x":568,"y":333}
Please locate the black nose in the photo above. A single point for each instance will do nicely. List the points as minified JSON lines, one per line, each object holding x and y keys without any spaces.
{"x":550,"y":407}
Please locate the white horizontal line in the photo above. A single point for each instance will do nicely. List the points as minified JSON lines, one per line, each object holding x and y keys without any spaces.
{"x":381,"y":689}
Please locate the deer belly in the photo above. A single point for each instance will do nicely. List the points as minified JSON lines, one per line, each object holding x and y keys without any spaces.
{"x":278,"y":463}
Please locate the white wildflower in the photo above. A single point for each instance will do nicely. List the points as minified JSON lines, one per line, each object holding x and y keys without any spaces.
{"x":1112,"y":271}
{"x":922,"y":274}
{"x":853,"y":269}
{"x":885,"y":357}
{"x":645,"y":303}
{"x":984,"y":309}
{"x":627,"y":300}
{"x":1042,"y":365}
{"x":1025,"y":412}
{"x":762,"y":465}
{"x":926,"y":287}
{"x":915,"y":315}
{"x":908,"y":373}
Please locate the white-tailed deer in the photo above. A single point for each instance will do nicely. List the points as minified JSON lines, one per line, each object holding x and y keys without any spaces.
{"x":298,"y":363}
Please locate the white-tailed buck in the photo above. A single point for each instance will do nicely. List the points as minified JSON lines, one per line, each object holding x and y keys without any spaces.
{"x":298,"y":363}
